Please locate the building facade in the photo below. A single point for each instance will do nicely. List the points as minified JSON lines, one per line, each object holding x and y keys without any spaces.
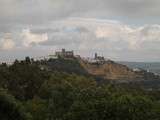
{"x":65,"y":54}
{"x":96,"y":60}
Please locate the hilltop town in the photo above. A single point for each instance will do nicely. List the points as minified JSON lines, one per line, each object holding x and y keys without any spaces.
{"x":96,"y":60}
{"x":71,"y":55}
{"x":97,"y":66}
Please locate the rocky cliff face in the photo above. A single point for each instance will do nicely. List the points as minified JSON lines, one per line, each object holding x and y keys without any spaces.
{"x":114,"y":71}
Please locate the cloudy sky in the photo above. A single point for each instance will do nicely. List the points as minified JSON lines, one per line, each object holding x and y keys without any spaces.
{"x":117,"y":29}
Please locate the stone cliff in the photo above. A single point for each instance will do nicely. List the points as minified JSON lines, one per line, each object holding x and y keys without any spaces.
{"x":114,"y":71}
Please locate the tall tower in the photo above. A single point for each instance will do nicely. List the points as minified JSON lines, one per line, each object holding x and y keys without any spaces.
{"x":63,"y":50}
{"x":95,"y":55}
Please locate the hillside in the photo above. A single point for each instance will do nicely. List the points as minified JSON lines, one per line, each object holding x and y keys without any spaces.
{"x":110,"y":70}
{"x":115,"y":71}
{"x":66,"y":65}
{"x":28,"y":92}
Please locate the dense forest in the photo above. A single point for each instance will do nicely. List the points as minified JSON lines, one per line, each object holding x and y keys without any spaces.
{"x":31,"y":91}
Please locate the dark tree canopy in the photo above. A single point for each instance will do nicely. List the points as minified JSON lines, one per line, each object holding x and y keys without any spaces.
{"x":45,"y":90}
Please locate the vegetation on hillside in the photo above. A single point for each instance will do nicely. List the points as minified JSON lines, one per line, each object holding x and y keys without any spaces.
{"x":28,"y":92}
{"x":70,"y":65}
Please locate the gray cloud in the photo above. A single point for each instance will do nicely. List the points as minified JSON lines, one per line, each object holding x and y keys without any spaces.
{"x":116,"y":28}
{"x":40,"y":11}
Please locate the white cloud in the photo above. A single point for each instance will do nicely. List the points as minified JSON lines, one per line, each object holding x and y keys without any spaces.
{"x":109,"y":33}
{"x":134,"y":36}
{"x":7,"y":43}
{"x":113,"y":38}
{"x":31,"y":38}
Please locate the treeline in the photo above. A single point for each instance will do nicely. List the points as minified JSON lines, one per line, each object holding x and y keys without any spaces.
{"x":28,"y":91}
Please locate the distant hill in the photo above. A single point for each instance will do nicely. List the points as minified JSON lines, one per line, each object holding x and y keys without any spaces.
{"x":109,"y":71}
{"x":116,"y":71}
{"x":152,"y":66}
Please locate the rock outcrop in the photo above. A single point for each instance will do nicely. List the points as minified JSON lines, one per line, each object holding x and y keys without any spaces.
{"x":114,"y":71}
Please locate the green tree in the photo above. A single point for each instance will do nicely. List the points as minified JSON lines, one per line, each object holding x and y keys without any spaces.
{"x":10,"y":109}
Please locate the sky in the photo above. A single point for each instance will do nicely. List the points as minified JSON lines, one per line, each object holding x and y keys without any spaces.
{"x":121,"y":30}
